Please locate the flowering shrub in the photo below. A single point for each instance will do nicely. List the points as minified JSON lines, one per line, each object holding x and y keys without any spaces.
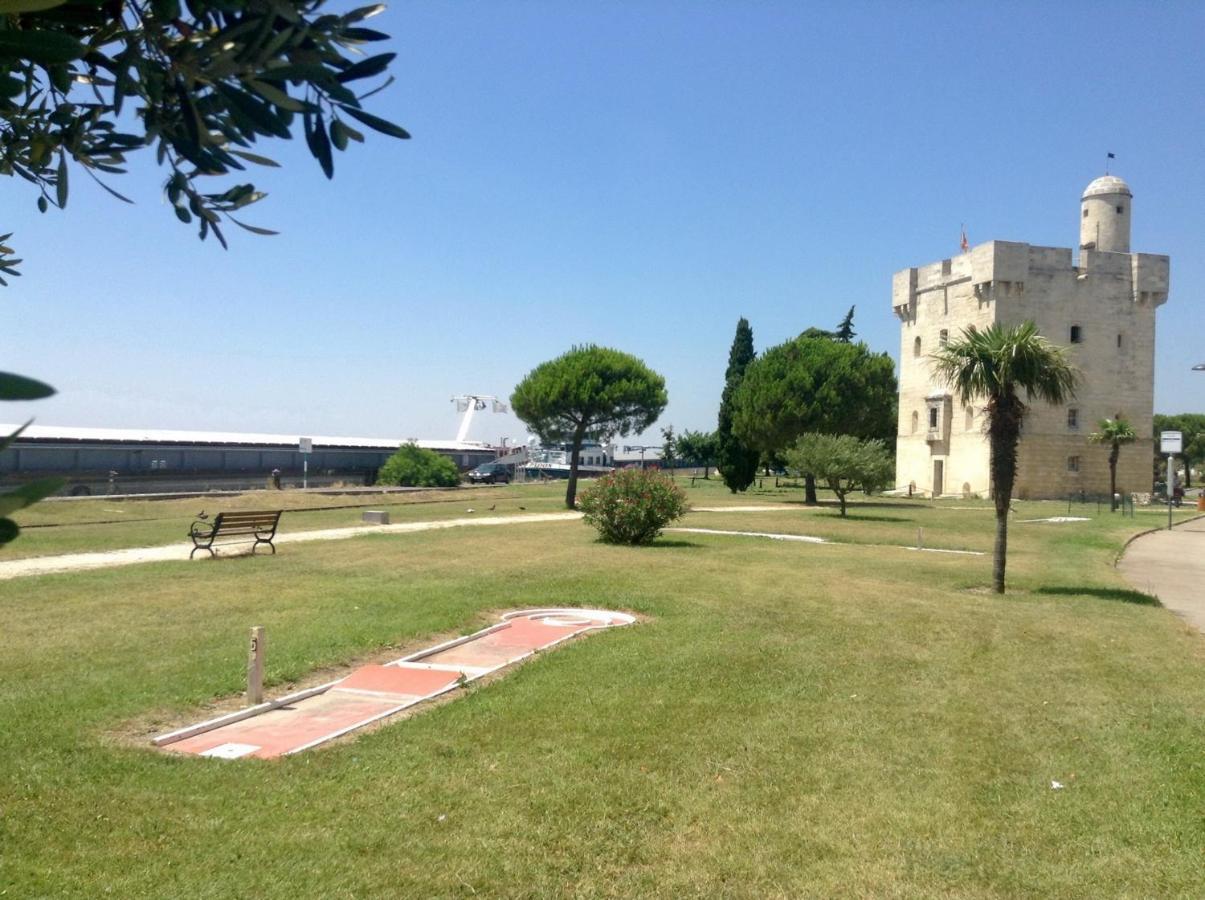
{"x":631,"y":506}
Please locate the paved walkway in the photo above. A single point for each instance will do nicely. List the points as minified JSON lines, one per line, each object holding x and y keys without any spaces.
{"x":75,"y":562}
{"x":1171,"y":565}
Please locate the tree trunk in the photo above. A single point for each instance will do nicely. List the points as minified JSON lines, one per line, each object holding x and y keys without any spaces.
{"x":574,"y":456}
{"x":809,"y":490}
{"x":841,"y":497}
{"x":1000,"y":550}
{"x":1004,"y":429}
{"x":1113,"y":454}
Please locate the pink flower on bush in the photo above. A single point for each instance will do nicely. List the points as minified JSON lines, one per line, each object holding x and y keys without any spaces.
{"x":631,"y":506}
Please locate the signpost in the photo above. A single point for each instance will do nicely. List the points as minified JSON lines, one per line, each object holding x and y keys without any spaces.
{"x":305,"y":446}
{"x":1171,"y":443}
{"x":255,"y":666}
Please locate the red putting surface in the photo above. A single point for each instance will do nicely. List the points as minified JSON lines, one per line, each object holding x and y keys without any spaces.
{"x":374,"y":692}
{"x":509,"y":642}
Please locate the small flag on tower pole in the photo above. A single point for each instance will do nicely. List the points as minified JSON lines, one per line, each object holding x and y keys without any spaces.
{"x":964,"y":244}
{"x":1108,"y":156}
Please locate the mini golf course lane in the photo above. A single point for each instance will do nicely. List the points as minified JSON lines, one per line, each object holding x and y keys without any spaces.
{"x":371,"y":693}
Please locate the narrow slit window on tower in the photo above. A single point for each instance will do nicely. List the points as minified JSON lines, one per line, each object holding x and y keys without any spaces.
{"x":915,"y":421}
{"x":1077,"y":335}
{"x":932,"y":418}
{"x":1120,"y":210}
{"x":1072,"y":463}
{"x":1072,"y":418}
{"x":1119,"y":340}
{"x":1085,"y":212}
{"x":916,"y":347}
{"x":943,"y":337}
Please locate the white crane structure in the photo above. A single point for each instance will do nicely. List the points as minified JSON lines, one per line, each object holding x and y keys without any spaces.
{"x":472,"y":403}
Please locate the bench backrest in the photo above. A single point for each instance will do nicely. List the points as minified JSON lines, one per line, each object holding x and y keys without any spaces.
{"x":247,"y":522}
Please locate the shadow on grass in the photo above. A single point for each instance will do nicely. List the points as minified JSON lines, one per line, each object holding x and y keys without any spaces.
{"x":857,"y":517}
{"x":1119,"y":595}
{"x":657,"y":544}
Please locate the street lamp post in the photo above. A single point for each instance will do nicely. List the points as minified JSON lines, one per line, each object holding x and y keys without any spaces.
{"x":628,"y":448}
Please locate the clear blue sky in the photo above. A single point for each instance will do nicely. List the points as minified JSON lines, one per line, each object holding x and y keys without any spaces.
{"x":633,"y":175}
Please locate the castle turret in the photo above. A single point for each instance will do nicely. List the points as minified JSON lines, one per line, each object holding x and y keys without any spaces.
{"x":1105,"y":215}
{"x":1102,"y":306}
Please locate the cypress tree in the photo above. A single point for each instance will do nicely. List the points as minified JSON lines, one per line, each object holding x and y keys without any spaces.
{"x":736,"y":461}
{"x":845,"y":331}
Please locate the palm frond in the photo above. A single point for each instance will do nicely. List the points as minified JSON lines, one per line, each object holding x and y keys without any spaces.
{"x":1001,"y":362}
{"x":1114,"y":431}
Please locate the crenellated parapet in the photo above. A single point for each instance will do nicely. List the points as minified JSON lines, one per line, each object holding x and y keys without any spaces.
{"x":903,"y":295}
{"x":1151,"y":277}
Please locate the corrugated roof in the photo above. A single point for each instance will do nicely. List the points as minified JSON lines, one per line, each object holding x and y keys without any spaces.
{"x":168,"y":436}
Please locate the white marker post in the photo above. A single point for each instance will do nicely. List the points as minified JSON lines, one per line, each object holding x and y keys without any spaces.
{"x":1171,"y":443}
{"x":305,"y":446}
{"x":255,"y":666}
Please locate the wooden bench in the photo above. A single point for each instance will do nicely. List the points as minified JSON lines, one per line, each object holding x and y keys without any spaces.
{"x":259,"y":526}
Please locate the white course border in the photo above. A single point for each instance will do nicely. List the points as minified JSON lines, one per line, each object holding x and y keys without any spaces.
{"x":552,"y":615}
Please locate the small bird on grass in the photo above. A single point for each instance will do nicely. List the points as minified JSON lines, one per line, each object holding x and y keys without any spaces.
{"x":522,"y":507}
{"x":492,"y":508}
{"x":202,"y":515}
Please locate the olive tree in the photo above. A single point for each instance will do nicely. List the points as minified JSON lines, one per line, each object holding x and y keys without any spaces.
{"x":843,"y":463}
{"x":85,"y":84}
{"x":201,"y":83}
{"x":593,"y":393}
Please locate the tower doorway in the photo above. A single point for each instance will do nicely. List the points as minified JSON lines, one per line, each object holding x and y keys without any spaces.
{"x":939,"y":475}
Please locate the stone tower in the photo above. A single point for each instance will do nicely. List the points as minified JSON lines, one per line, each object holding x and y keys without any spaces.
{"x":1101,"y":305}
{"x":1105,"y":216}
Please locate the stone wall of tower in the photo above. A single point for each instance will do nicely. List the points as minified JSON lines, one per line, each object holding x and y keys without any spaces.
{"x":1109,"y":298}
{"x":929,"y":300}
{"x":1114,"y":348}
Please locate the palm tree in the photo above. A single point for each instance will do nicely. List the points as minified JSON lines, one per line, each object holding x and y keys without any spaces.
{"x":1114,"y":432}
{"x":998,"y":364}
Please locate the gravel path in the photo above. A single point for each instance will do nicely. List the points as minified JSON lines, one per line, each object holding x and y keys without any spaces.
{"x":76,"y":562}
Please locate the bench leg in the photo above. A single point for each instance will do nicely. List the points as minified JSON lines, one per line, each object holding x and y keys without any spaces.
{"x":199,"y":547}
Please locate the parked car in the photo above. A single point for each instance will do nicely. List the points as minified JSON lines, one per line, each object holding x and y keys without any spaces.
{"x":490,"y":473}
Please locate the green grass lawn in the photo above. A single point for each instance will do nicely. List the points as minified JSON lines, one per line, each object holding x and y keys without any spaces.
{"x":788,"y":720}
{"x":79,"y":526}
